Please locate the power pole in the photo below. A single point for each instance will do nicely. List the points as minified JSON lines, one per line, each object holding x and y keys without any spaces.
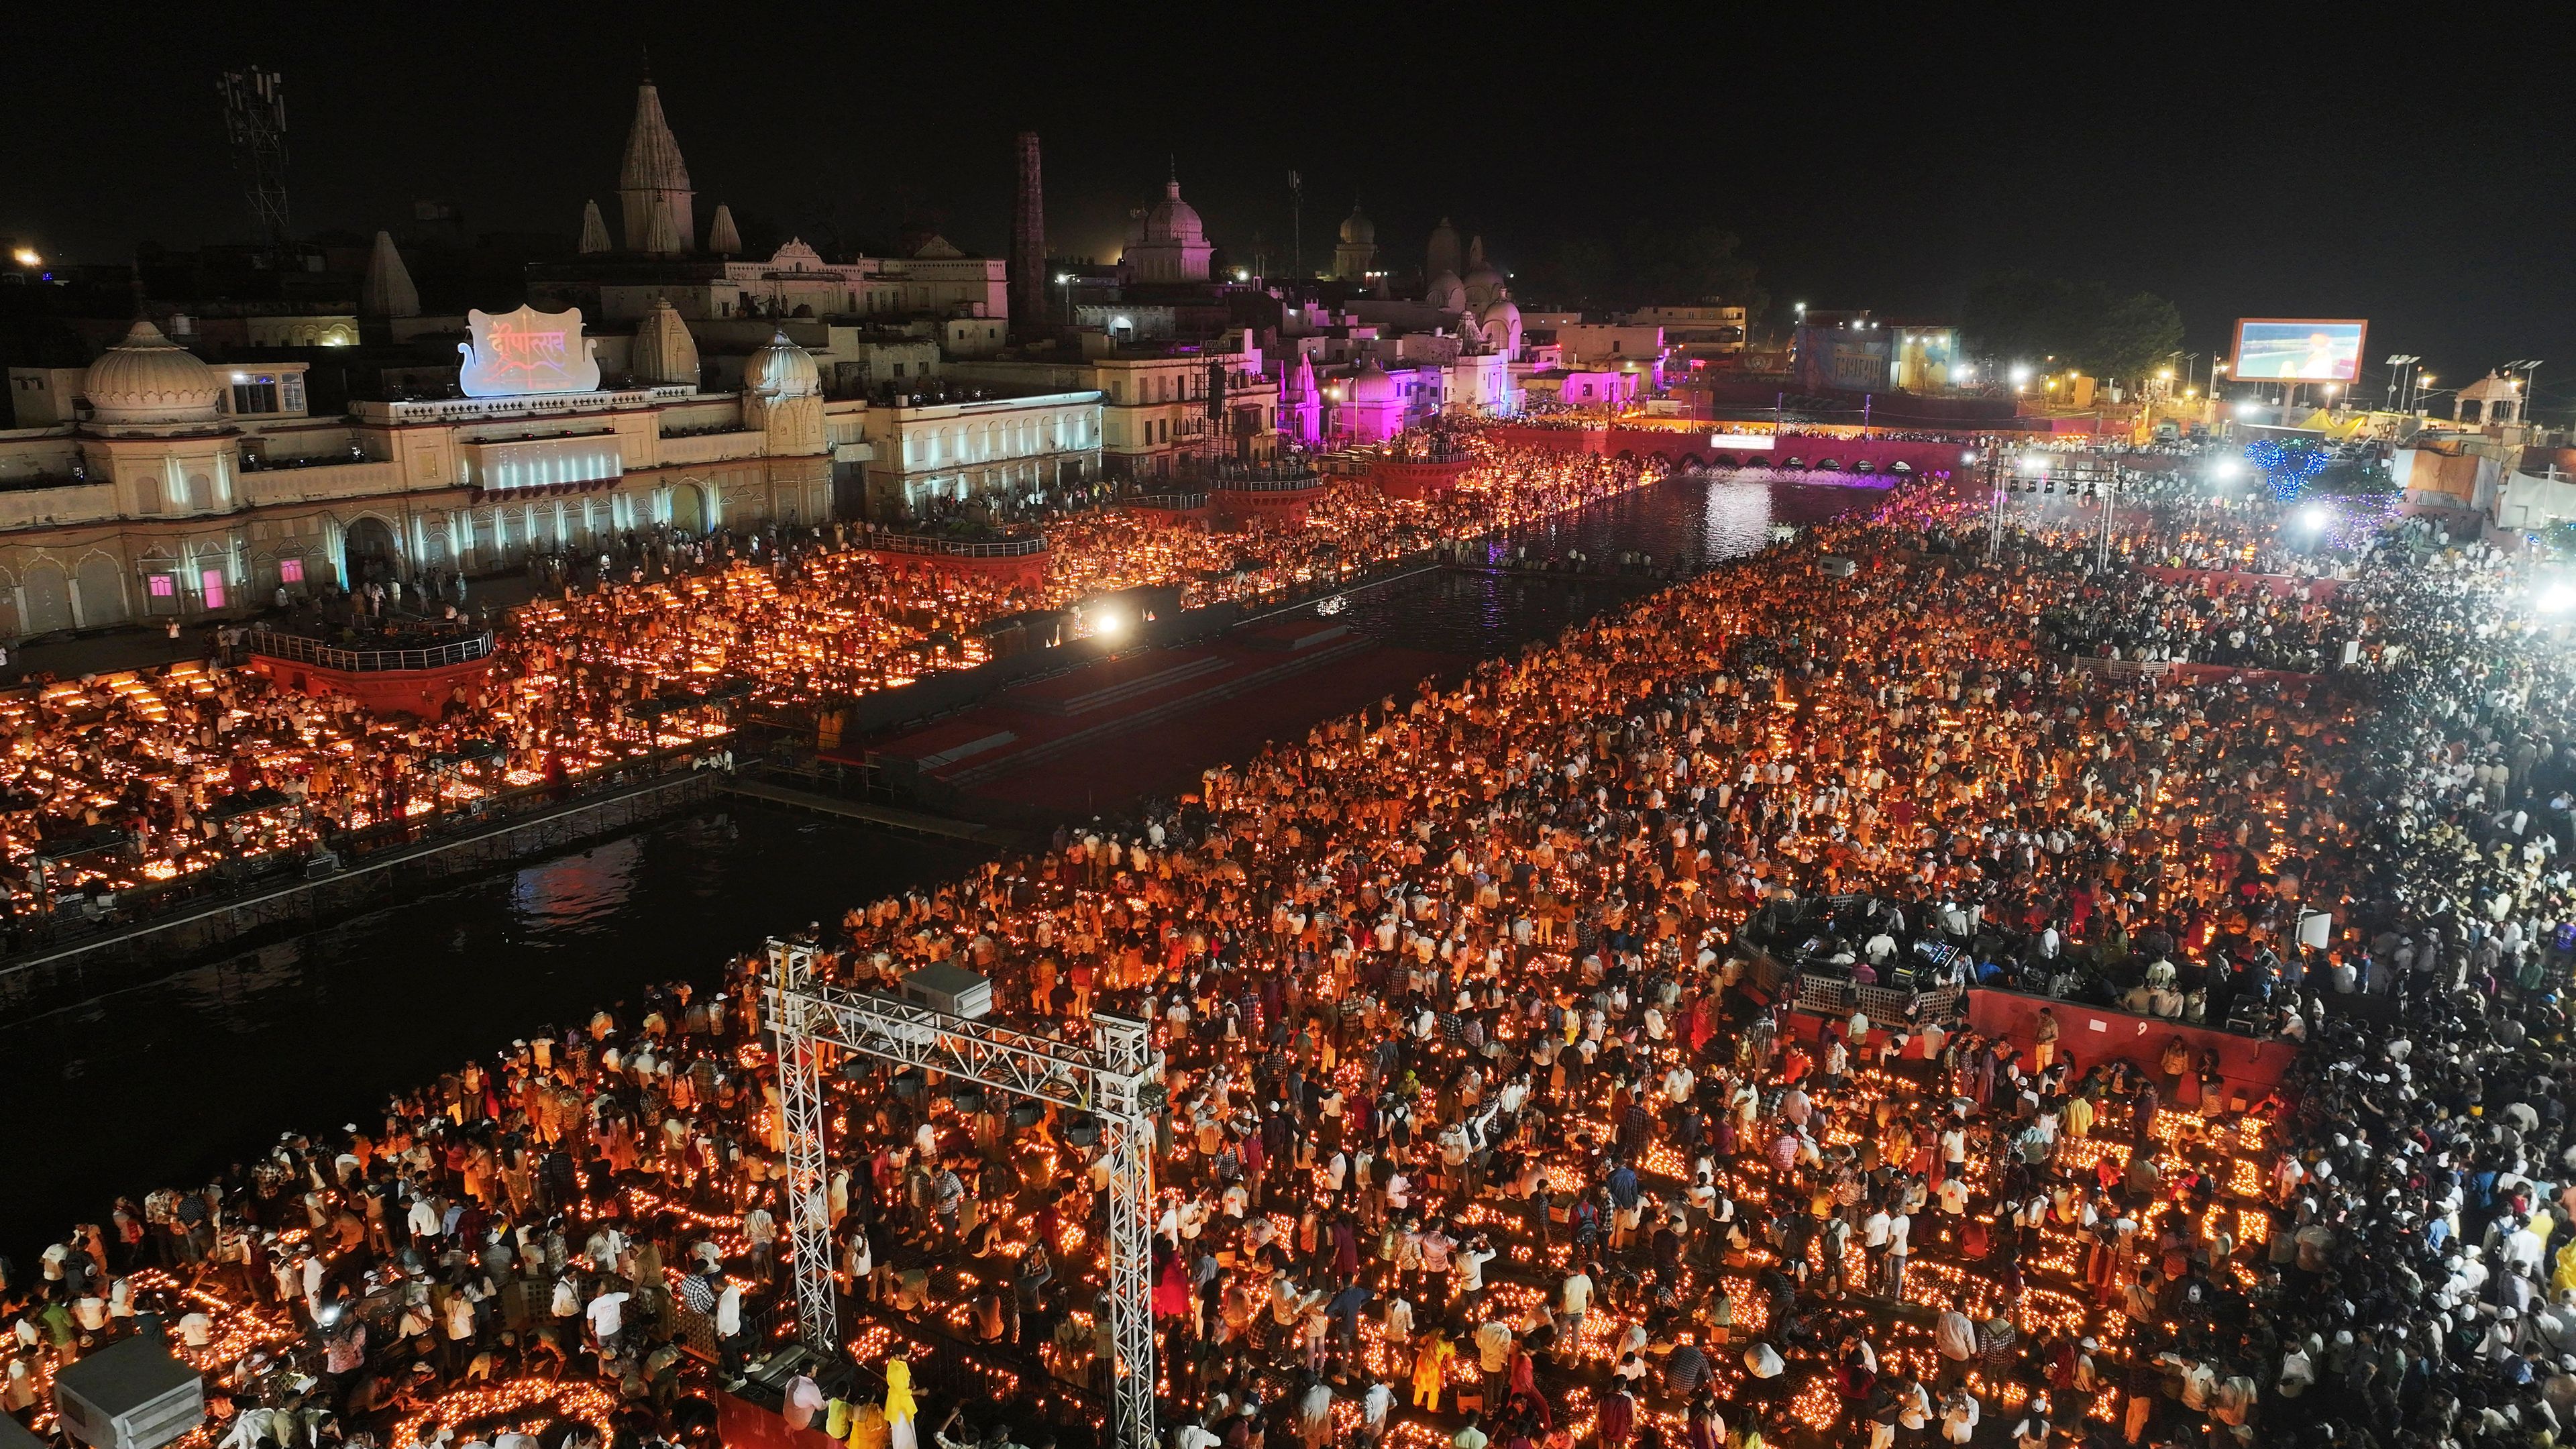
{"x":1297,"y":225}
{"x":255,"y":124}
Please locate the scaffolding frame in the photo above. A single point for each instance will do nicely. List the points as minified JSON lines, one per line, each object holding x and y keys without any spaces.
{"x":1107,"y":1079}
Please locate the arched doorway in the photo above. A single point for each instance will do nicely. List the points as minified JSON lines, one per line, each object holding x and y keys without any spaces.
{"x":367,"y":552}
{"x":49,"y":598}
{"x":688,"y":509}
{"x":102,"y":591}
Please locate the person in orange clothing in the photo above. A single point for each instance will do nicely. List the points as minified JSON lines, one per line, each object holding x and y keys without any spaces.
{"x":1430,"y":1362}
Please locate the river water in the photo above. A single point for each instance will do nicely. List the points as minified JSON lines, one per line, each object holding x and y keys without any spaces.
{"x":166,"y":1083}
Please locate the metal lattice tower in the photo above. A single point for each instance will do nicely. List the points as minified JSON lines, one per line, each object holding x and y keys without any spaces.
{"x":255,"y":124}
{"x":1107,"y":1079}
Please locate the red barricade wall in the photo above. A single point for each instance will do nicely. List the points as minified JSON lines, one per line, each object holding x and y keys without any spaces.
{"x":1926,"y":459}
{"x":420,"y":692}
{"x":1014,"y":569}
{"x":2278,"y":585}
{"x":2089,"y":1034}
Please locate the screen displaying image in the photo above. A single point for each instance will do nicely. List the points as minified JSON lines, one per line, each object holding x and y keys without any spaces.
{"x":2298,"y":351}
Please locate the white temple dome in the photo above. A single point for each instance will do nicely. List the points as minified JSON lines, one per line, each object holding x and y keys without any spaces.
{"x":781,"y":368}
{"x":1371,"y":385}
{"x":1174,"y":220}
{"x":1357,"y":229}
{"x":1446,"y":293}
{"x":147,"y":378}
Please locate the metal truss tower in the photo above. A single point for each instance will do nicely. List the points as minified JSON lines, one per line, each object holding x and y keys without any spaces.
{"x":255,"y":124}
{"x":1106,"y":1079}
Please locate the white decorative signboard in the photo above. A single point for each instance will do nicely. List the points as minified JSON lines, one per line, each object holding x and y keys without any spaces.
{"x":528,"y":351}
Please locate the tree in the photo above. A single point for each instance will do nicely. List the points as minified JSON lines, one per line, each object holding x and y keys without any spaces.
{"x":1642,"y":265}
{"x":2085,"y":325}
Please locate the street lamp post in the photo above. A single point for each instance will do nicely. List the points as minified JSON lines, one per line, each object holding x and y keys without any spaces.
{"x":2110,"y":506}
{"x":1994,"y":502}
{"x":2397,"y":365}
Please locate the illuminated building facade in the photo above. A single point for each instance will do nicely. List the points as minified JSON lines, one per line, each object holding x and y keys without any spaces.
{"x":153,"y":484}
{"x":1160,"y":407}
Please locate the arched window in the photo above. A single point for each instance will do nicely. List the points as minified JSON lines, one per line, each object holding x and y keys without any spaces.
{"x":101,"y":583}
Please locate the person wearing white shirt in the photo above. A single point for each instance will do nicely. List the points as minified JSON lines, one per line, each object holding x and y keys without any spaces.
{"x":1575,"y":1296}
{"x":1874,"y":1229}
{"x":2298,"y":1371}
{"x":1373,"y":1411}
{"x":1955,"y":1335}
{"x":607,"y":1315}
{"x":1959,"y":1414}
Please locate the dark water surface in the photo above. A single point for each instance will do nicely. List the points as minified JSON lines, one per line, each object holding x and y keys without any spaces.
{"x":164,"y":1084}
{"x":1697,"y":521}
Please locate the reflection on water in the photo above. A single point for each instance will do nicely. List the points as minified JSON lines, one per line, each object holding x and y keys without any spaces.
{"x":579,"y":895}
{"x":1695,"y":521}
{"x":166,"y":1083}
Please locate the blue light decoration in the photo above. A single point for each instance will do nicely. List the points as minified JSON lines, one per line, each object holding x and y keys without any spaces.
{"x":2286,"y":466}
{"x":2357,"y":518}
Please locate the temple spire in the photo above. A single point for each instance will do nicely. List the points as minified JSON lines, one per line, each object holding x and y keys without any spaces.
{"x":388,"y":291}
{"x":653,"y":177}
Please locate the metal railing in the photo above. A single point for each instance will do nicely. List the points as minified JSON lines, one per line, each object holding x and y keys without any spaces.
{"x":927,"y":543}
{"x":302,"y":649}
{"x":1820,"y":994}
{"x":2122,"y":668}
{"x":1260,"y":478}
{"x":1182,"y":502}
{"x":212,"y":884}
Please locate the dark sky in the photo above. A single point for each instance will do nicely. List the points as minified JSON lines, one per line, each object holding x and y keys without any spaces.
{"x":2239,"y":165}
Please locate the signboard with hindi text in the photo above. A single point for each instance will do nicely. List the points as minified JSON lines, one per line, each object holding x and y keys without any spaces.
{"x":527,"y":351}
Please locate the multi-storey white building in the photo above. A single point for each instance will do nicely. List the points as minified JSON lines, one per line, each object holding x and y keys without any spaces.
{"x":926,"y":453}
{"x":155,"y":484}
{"x":1158,"y":405}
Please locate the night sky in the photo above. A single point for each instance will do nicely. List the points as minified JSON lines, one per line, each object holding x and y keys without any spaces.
{"x":2240,"y":166}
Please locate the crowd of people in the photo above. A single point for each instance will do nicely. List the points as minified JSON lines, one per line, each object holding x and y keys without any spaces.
{"x":1490,"y":1119}
{"x":2204,"y":619}
{"x":633,"y":647}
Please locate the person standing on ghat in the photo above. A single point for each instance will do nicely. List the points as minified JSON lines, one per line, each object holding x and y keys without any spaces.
{"x":1688,"y":779}
{"x":183,"y":761}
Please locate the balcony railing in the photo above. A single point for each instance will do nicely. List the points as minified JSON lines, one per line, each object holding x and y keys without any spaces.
{"x":28,"y":481}
{"x":1260,"y":477}
{"x":301,"y":649}
{"x":933,"y":544}
{"x":253,"y":462}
